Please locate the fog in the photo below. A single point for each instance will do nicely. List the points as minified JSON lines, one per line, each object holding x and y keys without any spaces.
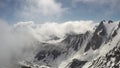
{"x":17,"y":41}
{"x":13,"y":45}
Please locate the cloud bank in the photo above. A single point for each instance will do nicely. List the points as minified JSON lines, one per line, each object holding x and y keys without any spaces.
{"x":46,"y":30}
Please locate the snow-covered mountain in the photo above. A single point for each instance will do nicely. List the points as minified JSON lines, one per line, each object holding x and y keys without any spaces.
{"x":99,"y":48}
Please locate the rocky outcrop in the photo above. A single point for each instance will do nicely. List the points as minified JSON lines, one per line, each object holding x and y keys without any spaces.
{"x":75,"y":41}
{"x":110,"y":21}
{"x":97,"y":38}
{"x":77,"y":63}
{"x":25,"y":67}
{"x":110,"y":60}
{"x":49,"y":51}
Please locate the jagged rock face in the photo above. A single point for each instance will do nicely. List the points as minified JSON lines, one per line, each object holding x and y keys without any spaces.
{"x":110,"y":60}
{"x":110,"y":21}
{"x":113,"y":34}
{"x":97,"y":37}
{"x":42,"y":54}
{"x":25,"y":67}
{"x":77,"y":63}
{"x":119,"y":25}
{"x":75,"y":41}
{"x":49,"y":55}
{"x":50,"y":51}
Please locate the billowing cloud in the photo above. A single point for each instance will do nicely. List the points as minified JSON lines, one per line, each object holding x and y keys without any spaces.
{"x":31,"y":9}
{"x":45,"y":30}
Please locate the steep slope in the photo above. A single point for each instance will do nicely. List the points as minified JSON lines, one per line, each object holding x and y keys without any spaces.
{"x":53,"y":54}
{"x":110,"y":60}
{"x":76,"y":41}
{"x":87,"y":50}
{"x":109,"y":53}
{"x":103,"y":40}
{"x":98,"y":37}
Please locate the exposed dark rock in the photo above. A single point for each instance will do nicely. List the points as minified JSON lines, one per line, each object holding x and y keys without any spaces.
{"x":49,"y":50}
{"x":75,"y":40}
{"x":41,"y":55}
{"x":103,"y":21}
{"x":110,"y":21}
{"x":106,"y":62}
{"x":97,"y":37}
{"x":55,"y":53}
{"x":114,"y":33}
{"x":25,"y":67}
{"x":77,"y":64}
{"x":101,"y":28}
{"x":119,"y":25}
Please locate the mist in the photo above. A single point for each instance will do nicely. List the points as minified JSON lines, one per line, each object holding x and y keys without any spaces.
{"x":13,"y":44}
{"x":17,"y":41}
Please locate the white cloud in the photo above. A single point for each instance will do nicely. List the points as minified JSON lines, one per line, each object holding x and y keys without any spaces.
{"x":36,"y":8}
{"x":44,"y":31}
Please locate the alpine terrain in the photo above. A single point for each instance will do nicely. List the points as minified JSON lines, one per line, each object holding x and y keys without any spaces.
{"x":99,"y":48}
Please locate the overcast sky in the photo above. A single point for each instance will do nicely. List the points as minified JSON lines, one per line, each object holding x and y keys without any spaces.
{"x":42,"y":11}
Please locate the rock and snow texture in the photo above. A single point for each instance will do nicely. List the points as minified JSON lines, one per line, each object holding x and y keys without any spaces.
{"x":109,"y":53}
{"x":99,"y":48}
{"x":19,"y":41}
